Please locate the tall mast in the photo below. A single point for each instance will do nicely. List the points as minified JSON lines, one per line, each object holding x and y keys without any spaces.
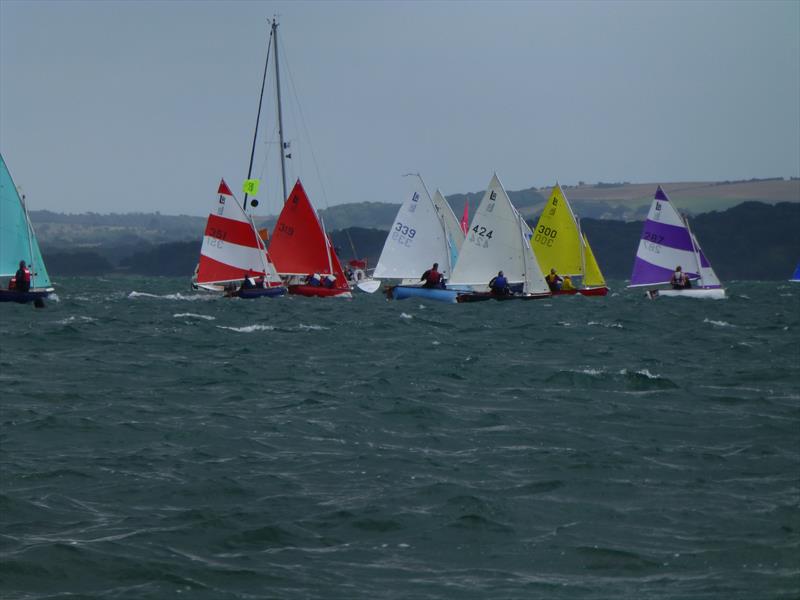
{"x":258,"y":118}
{"x":280,"y":112}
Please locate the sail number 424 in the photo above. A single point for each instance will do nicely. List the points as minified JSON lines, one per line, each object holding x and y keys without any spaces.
{"x":480,"y":235}
{"x":403,"y":234}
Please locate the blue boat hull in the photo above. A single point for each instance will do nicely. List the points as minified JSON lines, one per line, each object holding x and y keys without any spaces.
{"x":259,"y":292}
{"x":23,"y":297}
{"x":401,"y":292}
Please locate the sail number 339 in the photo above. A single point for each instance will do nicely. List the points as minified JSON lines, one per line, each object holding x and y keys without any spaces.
{"x":403,"y":234}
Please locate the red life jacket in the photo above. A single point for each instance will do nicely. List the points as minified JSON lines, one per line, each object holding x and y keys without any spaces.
{"x":27,"y":273}
{"x":433,"y":277}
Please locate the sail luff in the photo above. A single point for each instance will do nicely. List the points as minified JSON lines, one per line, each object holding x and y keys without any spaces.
{"x":17,"y":235}
{"x":665,"y":244}
{"x":556,"y":240}
{"x":796,"y":275}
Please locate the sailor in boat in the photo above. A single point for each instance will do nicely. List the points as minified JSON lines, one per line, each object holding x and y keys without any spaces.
{"x":554,"y":281}
{"x":21,"y":282}
{"x":566,"y":284}
{"x":314,"y":280}
{"x":432,"y":277}
{"x":499,"y":285}
{"x":329,"y":281}
{"x":680,"y":281}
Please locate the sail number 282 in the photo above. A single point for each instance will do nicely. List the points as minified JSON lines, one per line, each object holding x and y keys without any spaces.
{"x":403,"y":234}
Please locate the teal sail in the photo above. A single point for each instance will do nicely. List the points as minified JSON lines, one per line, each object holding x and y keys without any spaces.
{"x":17,"y":239}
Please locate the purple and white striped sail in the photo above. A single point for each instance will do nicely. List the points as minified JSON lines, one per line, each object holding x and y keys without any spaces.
{"x":666,"y":243}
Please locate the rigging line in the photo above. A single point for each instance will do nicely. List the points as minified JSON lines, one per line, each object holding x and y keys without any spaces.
{"x":310,"y":145}
{"x":258,"y":118}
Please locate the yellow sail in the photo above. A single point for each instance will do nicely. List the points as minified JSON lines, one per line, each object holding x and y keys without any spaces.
{"x":593,"y":276}
{"x":556,"y":241}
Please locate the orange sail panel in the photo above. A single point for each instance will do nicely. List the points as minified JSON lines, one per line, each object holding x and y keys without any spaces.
{"x":299,"y":244}
{"x":231,"y":248}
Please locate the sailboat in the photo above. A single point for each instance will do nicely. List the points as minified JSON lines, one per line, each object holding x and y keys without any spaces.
{"x":559,"y":244}
{"x":417,"y":239}
{"x":666,"y":243}
{"x":498,"y":239}
{"x":18,"y":242}
{"x":303,"y":253}
{"x":796,"y":275}
{"x":233,"y":257}
{"x":452,"y":228}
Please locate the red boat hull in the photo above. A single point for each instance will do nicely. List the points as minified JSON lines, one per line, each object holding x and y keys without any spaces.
{"x":598,"y":291}
{"x":318,"y":291}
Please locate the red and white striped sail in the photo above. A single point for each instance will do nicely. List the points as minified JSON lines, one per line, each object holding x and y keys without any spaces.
{"x":232,"y":249}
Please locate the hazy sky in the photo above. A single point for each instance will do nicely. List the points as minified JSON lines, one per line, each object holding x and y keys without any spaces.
{"x":143,"y":106}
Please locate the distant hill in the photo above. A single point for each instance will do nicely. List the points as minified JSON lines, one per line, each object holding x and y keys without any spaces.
{"x":616,"y":201}
{"x":750,"y":241}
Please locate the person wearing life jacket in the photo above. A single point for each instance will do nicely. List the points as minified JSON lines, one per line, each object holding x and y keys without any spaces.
{"x":499,"y":285}
{"x":329,"y":281}
{"x":566,"y":284}
{"x":22,"y":278}
{"x":679,"y":280}
{"x":314,"y":280}
{"x":432,"y":277}
{"x":554,"y":281}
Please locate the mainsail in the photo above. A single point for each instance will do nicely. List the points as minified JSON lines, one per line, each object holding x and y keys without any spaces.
{"x":416,"y":240}
{"x":455,"y":235}
{"x":232,"y":249}
{"x":17,"y":238}
{"x":498,"y":239}
{"x":299,"y":244}
{"x":559,"y":243}
{"x":667,"y":243}
{"x":796,"y":275}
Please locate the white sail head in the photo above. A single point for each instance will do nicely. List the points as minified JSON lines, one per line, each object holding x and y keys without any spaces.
{"x":498,"y":239}
{"x":416,"y":240}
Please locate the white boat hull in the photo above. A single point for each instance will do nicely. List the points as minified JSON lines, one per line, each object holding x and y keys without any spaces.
{"x":370,"y":286}
{"x":707,"y":293}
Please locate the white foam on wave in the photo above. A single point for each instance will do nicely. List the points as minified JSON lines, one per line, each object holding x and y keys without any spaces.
{"x":178,"y":296}
{"x":311,"y":327}
{"x":607,"y":325}
{"x":193,"y":316}
{"x":644,"y":372}
{"x":592,"y":372}
{"x":718,"y":323}
{"x":74,"y":319}
{"x":405,"y":316}
{"x":248,"y":328}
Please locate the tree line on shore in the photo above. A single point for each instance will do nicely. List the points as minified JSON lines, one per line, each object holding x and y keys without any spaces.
{"x":751,"y":241}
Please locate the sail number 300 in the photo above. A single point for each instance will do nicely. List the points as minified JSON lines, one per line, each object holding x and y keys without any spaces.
{"x":403,"y":234}
{"x":545,"y":235}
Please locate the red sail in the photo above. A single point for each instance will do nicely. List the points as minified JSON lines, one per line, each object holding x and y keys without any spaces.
{"x":299,"y":244}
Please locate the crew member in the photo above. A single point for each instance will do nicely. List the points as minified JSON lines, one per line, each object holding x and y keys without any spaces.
{"x":499,"y":285}
{"x":554,"y":281}
{"x":22,"y":278}
{"x":432,"y":277}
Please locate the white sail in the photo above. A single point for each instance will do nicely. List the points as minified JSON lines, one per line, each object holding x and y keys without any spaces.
{"x":493,"y":243}
{"x":416,"y":239}
{"x":535,"y":283}
{"x":455,"y":235}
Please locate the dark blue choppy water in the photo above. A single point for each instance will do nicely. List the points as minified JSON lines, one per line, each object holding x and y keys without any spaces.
{"x":160,"y":444}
